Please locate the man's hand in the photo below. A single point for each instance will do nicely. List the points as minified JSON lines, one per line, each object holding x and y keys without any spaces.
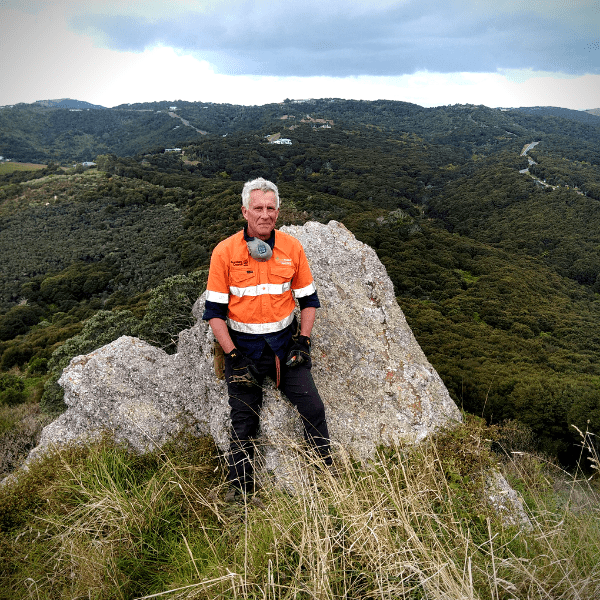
{"x":299,"y":352}
{"x":243,"y":370}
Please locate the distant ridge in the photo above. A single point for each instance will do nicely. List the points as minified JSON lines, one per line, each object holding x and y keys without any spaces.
{"x":69,"y":130}
{"x":68,"y":103}
{"x":590,"y":117}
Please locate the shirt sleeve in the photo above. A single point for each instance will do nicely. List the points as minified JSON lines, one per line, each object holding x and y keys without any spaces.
{"x":214,"y":310}
{"x":217,"y":287}
{"x":309,"y":301}
{"x":303,"y":284}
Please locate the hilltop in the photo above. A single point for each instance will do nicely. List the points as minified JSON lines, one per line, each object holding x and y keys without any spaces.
{"x":69,"y":103}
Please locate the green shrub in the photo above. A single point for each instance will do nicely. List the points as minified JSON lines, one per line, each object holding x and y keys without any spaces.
{"x":18,"y":320}
{"x":16,"y":356}
{"x":12,"y":396}
{"x":38,"y":366}
{"x":12,"y":389}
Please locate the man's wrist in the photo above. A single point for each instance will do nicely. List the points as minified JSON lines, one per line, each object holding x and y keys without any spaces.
{"x":234,"y":354}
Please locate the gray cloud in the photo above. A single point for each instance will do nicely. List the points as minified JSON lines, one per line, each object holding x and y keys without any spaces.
{"x":296,"y":38}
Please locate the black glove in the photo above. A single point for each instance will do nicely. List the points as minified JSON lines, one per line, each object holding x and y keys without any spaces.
{"x":243,"y":370}
{"x":299,"y":352}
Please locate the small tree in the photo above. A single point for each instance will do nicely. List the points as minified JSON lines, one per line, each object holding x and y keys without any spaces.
{"x":170,"y":309}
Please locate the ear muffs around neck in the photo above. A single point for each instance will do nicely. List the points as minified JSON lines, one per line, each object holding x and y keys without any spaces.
{"x":259,"y":250}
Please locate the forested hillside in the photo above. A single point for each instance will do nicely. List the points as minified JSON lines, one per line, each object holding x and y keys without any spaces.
{"x":494,"y":254}
{"x":34,"y":133}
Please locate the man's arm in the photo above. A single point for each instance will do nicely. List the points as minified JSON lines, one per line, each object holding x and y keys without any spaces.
{"x":307,"y":320}
{"x":220,"y":331}
{"x":305,"y":292}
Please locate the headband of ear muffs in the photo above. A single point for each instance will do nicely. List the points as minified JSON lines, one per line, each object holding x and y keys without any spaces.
{"x":259,"y":250}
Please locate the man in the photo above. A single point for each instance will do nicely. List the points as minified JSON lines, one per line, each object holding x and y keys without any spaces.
{"x":253,"y":279}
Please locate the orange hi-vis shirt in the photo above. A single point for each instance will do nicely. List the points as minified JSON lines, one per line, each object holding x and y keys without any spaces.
{"x":259,"y":295}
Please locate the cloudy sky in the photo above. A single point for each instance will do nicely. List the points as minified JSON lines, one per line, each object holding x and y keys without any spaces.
{"x":430,"y":52}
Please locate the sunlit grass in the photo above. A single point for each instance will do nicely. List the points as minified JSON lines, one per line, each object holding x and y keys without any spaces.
{"x":9,"y":167}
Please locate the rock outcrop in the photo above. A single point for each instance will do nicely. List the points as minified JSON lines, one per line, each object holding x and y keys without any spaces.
{"x":377,"y":384}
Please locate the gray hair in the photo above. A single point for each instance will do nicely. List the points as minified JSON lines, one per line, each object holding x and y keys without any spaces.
{"x":258,"y":184}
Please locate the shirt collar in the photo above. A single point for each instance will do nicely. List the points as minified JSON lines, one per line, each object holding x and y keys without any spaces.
{"x":270,"y":241}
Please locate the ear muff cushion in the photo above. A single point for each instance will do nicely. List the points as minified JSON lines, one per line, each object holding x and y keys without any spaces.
{"x":259,"y":250}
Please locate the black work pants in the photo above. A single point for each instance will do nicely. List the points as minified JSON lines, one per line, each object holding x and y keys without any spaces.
{"x":298,"y":386}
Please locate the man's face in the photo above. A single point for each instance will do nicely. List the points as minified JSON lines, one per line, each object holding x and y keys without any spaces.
{"x":262,"y":214}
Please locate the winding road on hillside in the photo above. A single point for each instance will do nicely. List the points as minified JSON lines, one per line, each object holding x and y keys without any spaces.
{"x":528,"y":147}
{"x":524,"y":152}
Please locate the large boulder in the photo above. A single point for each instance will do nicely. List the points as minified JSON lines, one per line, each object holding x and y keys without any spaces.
{"x":377,"y":384}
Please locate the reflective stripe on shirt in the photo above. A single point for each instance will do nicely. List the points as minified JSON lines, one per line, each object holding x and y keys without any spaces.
{"x":305,"y":291}
{"x":259,"y":290}
{"x":261,"y":328}
{"x":217,"y":297}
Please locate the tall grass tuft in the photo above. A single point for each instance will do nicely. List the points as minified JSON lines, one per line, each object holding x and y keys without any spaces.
{"x":413,"y":523}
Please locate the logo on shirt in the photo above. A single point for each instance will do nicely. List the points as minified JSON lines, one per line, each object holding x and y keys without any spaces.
{"x":284,"y":261}
{"x":240,"y":263}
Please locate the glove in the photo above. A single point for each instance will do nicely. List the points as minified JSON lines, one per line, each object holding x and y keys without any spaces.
{"x":243,"y":371}
{"x":299,"y":352}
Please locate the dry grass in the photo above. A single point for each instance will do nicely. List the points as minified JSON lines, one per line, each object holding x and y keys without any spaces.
{"x":412,"y":524}
{"x":20,"y":429}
